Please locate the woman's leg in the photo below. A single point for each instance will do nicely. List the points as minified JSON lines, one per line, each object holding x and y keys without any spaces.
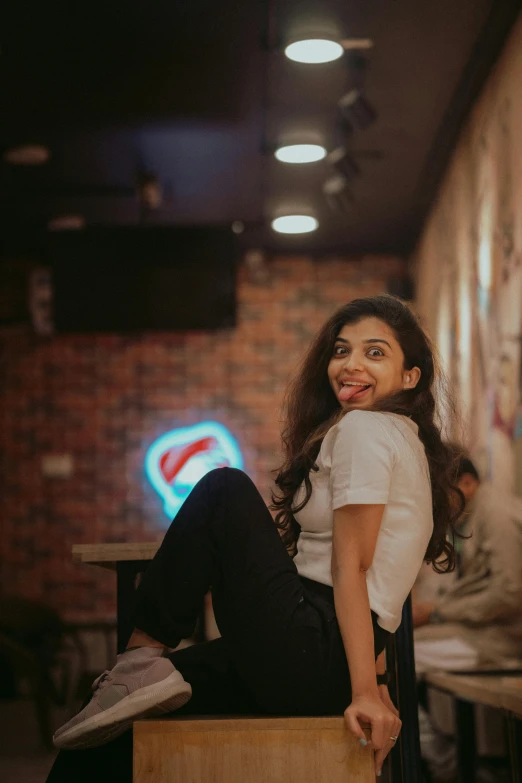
{"x":216,"y":688}
{"x":224,"y":538}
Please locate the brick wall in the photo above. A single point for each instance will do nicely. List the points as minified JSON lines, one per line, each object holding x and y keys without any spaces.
{"x":104,"y":399}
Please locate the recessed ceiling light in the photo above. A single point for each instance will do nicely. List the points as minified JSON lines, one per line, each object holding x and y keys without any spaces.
{"x":314,"y":50}
{"x":295,"y":224}
{"x":27,"y":155}
{"x":300,"y":153}
{"x":67,"y":223}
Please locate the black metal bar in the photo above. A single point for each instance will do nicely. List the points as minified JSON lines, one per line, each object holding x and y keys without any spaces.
{"x":466,"y":748}
{"x":394,"y":758}
{"x":514,"y":732}
{"x":408,"y":746}
{"x":126,"y":575}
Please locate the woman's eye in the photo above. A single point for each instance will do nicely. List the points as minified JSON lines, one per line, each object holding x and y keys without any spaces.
{"x":375,"y":352}
{"x":339,"y":350}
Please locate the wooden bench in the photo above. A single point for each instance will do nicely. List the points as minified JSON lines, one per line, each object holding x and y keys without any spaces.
{"x":501,"y":692}
{"x":249,"y":750}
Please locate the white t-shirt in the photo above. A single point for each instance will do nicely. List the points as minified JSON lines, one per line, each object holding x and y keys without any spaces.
{"x":370,"y":457}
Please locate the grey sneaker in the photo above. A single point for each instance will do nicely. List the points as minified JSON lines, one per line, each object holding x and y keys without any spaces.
{"x":143,"y":683}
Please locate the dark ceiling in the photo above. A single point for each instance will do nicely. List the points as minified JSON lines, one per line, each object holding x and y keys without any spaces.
{"x":198,"y":93}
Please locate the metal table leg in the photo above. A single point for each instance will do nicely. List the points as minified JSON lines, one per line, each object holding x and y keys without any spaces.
{"x":514,"y":727}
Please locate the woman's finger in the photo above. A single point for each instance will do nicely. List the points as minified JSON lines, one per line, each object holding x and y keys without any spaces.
{"x":350,"y":717}
{"x":380,"y":755}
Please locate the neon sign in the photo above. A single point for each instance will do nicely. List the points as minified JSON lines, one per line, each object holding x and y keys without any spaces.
{"x":176,"y":461}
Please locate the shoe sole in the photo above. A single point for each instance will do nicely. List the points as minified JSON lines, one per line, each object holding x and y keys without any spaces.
{"x":166,"y":696}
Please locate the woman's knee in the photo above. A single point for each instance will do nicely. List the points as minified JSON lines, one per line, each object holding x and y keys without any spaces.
{"x":232,"y":483}
{"x":229,"y":477}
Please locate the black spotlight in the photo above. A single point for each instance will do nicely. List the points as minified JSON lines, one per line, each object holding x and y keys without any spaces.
{"x":356,"y":111}
{"x":337,"y":193}
{"x":342,"y":161}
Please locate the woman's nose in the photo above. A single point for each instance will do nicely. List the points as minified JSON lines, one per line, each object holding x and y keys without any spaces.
{"x":354,"y":361}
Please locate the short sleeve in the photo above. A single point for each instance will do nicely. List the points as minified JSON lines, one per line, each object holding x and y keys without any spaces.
{"x":363,"y":457}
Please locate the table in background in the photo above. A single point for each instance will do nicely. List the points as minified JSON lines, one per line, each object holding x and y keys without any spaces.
{"x":494,"y":691}
{"x":128,"y":561}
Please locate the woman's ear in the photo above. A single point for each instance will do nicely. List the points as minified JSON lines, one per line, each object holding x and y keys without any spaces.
{"x":411,"y":378}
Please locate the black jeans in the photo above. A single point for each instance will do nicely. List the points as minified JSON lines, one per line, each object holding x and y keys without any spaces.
{"x":281,"y":650}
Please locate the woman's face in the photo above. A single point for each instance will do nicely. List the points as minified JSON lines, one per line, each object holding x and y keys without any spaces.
{"x":367,"y":364}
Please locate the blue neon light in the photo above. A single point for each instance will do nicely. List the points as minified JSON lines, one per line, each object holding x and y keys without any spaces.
{"x":176,"y":461}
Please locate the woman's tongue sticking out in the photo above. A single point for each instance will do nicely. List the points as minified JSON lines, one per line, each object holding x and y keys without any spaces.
{"x":347,"y":392}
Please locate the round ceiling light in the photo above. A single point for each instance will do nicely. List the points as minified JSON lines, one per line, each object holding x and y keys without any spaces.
{"x":66,"y":223}
{"x":300,"y":153}
{"x":27,"y":155}
{"x":295,"y":224}
{"x":314,"y":50}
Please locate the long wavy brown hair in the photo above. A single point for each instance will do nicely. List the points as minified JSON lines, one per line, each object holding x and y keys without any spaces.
{"x":311,"y":408}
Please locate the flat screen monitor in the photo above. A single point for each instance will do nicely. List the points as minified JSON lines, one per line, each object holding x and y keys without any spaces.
{"x":133,"y":279}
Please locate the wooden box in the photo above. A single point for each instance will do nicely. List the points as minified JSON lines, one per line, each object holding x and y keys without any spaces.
{"x":249,"y":750}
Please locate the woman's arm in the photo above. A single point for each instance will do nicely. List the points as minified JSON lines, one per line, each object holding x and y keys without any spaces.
{"x":355,"y":532}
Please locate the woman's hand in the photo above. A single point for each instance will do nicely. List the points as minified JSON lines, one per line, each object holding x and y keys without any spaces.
{"x":384,"y":724}
{"x":385,"y":697}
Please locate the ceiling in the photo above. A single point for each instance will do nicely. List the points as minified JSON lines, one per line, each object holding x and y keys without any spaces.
{"x":198,"y":93}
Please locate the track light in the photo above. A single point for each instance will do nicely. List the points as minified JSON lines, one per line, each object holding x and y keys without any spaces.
{"x":314,"y":51}
{"x":341,"y":160}
{"x":149,"y":190}
{"x":356,"y":110}
{"x":337,"y":193}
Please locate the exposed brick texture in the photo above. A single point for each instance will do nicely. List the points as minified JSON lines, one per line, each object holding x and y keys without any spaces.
{"x":105,"y":398}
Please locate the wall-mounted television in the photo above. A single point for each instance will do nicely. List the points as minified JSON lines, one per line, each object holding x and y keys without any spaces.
{"x":122,"y":279}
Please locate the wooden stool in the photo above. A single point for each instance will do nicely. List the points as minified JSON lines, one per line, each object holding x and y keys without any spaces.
{"x":249,"y":750}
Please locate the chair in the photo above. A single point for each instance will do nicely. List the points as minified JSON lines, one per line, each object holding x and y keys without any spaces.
{"x":33,"y":642}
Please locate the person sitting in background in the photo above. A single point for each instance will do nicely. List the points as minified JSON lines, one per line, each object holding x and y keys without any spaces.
{"x":473,"y":617}
{"x":482,"y":608}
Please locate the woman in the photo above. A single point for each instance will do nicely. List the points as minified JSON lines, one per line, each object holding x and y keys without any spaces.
{"x":365,"y":495}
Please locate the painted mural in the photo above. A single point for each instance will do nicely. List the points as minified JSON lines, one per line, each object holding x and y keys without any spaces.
{"x":469,"y":275}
